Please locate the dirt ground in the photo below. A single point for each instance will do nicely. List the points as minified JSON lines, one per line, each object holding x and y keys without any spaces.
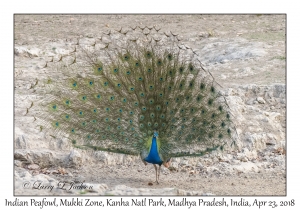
{"x":265,"y":33}
{"x":140,"y":176}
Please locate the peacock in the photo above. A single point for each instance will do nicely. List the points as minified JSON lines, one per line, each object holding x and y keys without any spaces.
{"x":136,"y":91}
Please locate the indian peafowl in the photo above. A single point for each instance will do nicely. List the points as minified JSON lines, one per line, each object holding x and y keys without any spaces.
{"x":138,"y":91}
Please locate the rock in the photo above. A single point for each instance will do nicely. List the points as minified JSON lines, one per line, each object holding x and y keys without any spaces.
{"x":279,"y":90}
{"x":22,"y":143}
{"x":174,"y":165}
{"x":224,"y":61}
{"x":200,"y":166}
{"x":33,"y":166}
{"x":192,"y":172}
{"x":250,"y":102}
{"x":113,"y":159}
{"x":256,"y":140}
{"x":236,"y":162}
{"x":74,"y":158}
{"x":246,"y":167}
{"x":242,"y":157}
{"x":165,"y":171}
{"x":270,"y":142}
{"x":18,"y":163}
{"x":25,"y":174}
{"x":230,"y":92}
{"x":213,"y":169}
{"x":282,"y":144}
{"x":224,"y":159}
{"x":62,"y":171}
{"x":34,"y":52}
{"x":61,"y":144}
{"x":203,"y":34}
{"x":232,"y":50}
{"x":43,"y":157}
{"x":208,"y":194}
{"x":54,"y":172}
{"x":251,"y":155}
{"x":260,"y":100}
{"x":184,"y":163}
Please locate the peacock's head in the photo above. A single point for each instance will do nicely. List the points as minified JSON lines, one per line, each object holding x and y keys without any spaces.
{"x":155,"y":134}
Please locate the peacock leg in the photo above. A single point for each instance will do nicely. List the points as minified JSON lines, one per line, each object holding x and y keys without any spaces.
{"x":156,"y":173}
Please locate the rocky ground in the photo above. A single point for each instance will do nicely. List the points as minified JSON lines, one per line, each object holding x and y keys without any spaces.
{"x":246,"y":55}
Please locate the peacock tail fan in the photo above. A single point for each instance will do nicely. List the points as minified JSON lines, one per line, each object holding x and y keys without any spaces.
{"x":111,"y":95}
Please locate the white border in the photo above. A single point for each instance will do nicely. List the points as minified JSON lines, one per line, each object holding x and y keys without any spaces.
{"x":153,"y":6}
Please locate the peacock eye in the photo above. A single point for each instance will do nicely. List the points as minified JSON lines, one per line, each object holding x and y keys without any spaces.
{"x":212,"y":89}
{"x":191,"y":68}
{"x":202,"y":86}
{"x":220,"y":108}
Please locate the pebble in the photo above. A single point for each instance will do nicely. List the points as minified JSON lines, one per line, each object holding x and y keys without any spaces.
{"x":260,"y":100}
{"x":33,"y":166}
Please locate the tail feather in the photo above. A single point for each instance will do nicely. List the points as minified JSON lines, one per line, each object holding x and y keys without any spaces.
{"x":127,"y":85}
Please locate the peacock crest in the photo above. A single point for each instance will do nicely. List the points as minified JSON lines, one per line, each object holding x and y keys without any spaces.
{"x":120,"y":90}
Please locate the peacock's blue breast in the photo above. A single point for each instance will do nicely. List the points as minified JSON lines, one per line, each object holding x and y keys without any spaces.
{"x":153,"y":156}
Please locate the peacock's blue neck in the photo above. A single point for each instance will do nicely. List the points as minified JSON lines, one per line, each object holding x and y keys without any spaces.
{"x":153,"y":156}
